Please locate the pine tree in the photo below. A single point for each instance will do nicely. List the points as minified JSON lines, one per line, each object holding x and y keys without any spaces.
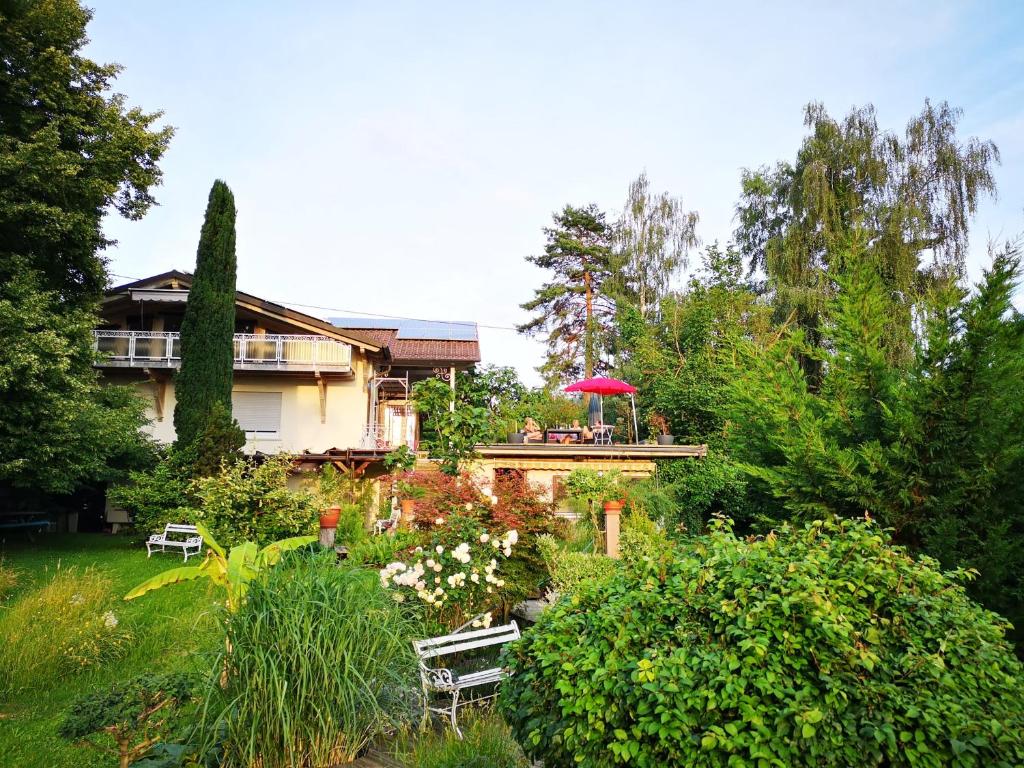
{"x":203,"y":385}
{"x":574,"y":308}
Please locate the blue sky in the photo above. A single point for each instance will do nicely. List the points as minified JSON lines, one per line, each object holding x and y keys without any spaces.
{"x":402,"y":158}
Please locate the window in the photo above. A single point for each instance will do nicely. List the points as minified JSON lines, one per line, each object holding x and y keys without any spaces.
{"x":257,"y":413}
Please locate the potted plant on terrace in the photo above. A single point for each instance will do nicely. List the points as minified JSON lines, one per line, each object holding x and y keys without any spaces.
{"x":514,"y":435}
{"x":660,"y":425}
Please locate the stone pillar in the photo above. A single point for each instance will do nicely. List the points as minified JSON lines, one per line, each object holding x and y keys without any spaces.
{"x":612,"y":513}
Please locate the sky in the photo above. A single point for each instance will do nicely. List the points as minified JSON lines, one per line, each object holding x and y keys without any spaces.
{"x":403,"y":158}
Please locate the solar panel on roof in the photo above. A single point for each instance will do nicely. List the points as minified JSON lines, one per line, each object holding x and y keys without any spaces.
{"x":430,"y":330}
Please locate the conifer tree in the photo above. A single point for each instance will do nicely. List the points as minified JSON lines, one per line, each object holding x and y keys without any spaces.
{"x":203,"y":385}
{"x":574,"y":308}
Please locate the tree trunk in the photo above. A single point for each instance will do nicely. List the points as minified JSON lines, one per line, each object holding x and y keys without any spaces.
{"x":588,"y":337}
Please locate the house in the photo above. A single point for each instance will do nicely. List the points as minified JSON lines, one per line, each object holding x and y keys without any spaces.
{"x":332,"y":390}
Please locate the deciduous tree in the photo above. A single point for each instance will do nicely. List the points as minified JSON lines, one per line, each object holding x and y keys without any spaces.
{"x":651,"y":242}
{"x":911,"y":197}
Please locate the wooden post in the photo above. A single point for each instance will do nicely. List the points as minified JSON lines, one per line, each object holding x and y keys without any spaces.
{"x":612,"y":513}
{"x":327,"y":537}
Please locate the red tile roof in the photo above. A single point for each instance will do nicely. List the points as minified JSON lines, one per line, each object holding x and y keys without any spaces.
{"x":422,"y":351}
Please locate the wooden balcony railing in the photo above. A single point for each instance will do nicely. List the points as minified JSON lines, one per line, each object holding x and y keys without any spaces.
{"x":254,"y":352}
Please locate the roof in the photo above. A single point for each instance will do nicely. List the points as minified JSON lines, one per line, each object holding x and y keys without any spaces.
{"x":176,"y":278}
{"x":419,"y":342}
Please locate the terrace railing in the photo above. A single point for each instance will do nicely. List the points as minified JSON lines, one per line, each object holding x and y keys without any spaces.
{"x":254,"y":352}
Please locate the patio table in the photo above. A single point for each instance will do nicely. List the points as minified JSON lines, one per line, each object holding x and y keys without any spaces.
{"x":556,"y":435}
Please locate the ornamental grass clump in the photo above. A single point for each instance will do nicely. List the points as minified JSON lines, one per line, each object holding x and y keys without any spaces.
{"x":321,"y":662}
{"x":69,"y":625}
{"x":814,"y":646}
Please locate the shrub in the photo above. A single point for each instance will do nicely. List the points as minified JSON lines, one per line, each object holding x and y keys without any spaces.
{"x":820,"y":646}
{"x":135,"y":714}
{"x":156,"y":497}
{"x":251,"y":501}
{"x":321,"y":662}
{"x":571,"y":570}
{"x":58,"y":630}
{"x":486,"y":743}
{"x":512,"y":503}
{"x":378,"y":551}
{"x":457,"y":575}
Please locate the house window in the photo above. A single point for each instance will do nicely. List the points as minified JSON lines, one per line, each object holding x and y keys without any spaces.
{"x":257,"y":413}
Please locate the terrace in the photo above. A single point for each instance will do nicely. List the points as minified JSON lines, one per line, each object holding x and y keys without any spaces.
{"x":252,"y":352}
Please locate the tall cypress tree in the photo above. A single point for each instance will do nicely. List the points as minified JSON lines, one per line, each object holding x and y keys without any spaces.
{"x":203,"y":385}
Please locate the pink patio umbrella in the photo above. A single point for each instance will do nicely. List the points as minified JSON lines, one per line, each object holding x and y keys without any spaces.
{"x":601,"y":385}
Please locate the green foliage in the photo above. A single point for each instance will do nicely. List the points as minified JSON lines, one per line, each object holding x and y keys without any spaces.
{"x":233,"y":571}
{"x":136,"y":714}
{"x":573,"y":308}
{"x":69,"y":150}
{"x":207,"y":330}
{"x":251,"y":501}
{"x":321,"y":662}
{"x":401,"y":459}
{"x":813,"y":646}
{"x":651,"y":243}
{"x":486,"y":743}
{"x":687,"y":493}
{"x":378,"y":551}
{"x":59,"y":429}
{"x":571,"y":570}
{"x":157,"y":496}
{"x":67,"y":626}
{"x":932,"y":448}
{"x":911,"y":196}
{"x":454,"y":433}
{"x":219,"y":441}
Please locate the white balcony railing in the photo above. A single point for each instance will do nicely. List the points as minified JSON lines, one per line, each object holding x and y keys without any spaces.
{"x":285,"y":352}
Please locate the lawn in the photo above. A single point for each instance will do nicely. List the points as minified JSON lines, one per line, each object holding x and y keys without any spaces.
{"x":175,"y":629}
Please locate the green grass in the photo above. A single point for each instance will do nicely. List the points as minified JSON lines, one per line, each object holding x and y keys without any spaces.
{"x":175,"y":630}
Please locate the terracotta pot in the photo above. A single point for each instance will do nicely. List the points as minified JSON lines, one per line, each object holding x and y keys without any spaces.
{"x":329,"y":517}
{"x":408,"y":512}
{"x":614,"y":505}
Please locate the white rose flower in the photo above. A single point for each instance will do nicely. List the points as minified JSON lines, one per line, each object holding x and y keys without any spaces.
{"x":439,"y":549}
{"x":475,"y":578}
{"x":494,"y":501}
{"x":469,"y":506}
{"x":484,"y":538}
{"x":437,"y":579}
{"x":439,"y":521}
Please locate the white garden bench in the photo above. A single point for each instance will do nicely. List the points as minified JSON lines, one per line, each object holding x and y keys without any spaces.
{"x":191,"y":544}
{"x":448,"y":681}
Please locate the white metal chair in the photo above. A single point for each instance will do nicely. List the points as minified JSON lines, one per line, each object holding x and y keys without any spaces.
{"x":603,"y":435}
{"x":387,"y":523}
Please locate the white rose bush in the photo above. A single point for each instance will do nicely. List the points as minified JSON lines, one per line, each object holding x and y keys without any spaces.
{"x":457,"y":577}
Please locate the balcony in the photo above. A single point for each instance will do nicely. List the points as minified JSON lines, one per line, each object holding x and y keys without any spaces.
{"x":253,"y":352}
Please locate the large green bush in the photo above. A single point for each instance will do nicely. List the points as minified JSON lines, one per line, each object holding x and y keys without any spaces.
{"x":251,"y":501}
{"x":820,"y":646}
{"x":321,"y":661}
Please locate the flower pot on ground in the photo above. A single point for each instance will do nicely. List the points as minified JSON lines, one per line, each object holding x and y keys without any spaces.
{"x":666,"y":439}
{"x":329,"y":517}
